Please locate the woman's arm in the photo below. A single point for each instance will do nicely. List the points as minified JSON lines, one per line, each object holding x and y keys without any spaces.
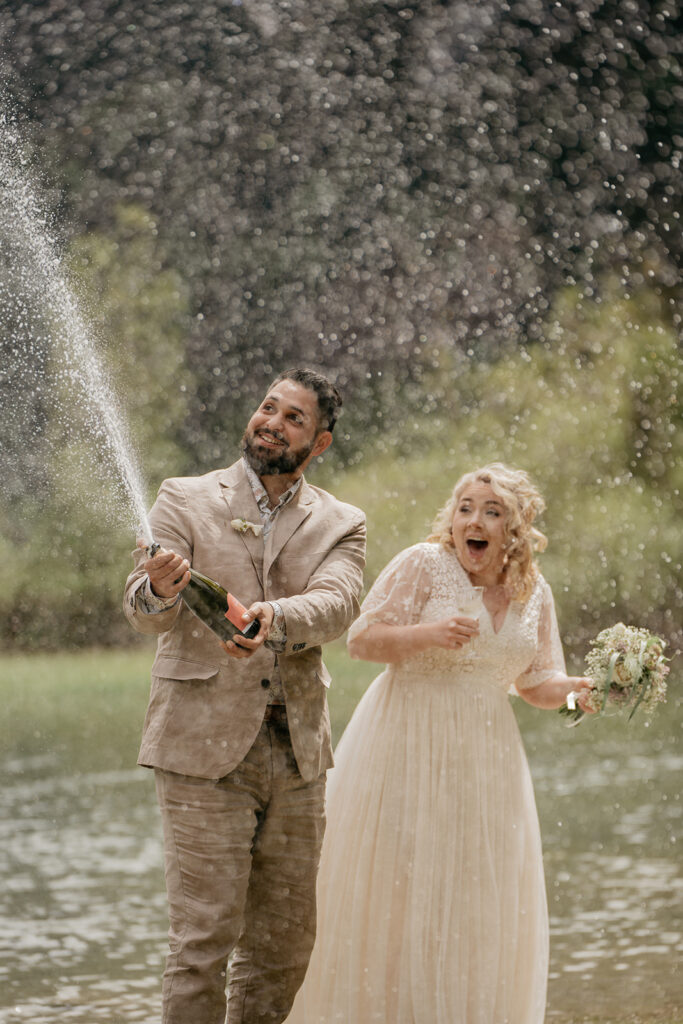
{"x":389,"y":644}
{"x":548,"y":665}
{"x":552,"y":692}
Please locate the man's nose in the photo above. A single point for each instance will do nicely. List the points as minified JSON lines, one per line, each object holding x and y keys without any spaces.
{"x":275,"y":421}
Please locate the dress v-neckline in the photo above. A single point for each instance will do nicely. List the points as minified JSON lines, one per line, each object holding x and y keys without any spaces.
{"x":461,"y":572}
{"x":497,"y":632}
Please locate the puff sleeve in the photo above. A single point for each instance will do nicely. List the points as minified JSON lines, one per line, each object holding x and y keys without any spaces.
{"x":549,"y":657}
{"x":399,"y":593}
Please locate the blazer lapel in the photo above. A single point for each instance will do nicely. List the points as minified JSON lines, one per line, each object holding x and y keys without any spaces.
{"x":287,"y":521}
{"x":241,"y":503}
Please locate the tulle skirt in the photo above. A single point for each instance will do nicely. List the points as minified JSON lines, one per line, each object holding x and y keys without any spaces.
{"x":431,"y":895}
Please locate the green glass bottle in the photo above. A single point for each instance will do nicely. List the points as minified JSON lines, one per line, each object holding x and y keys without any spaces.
{"x":216,"y":608}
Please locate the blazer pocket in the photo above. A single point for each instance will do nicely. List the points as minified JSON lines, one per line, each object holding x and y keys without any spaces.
{"x":179,"y":668}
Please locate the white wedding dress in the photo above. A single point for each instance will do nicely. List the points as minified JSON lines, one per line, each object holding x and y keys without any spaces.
{"x":431,"y":895}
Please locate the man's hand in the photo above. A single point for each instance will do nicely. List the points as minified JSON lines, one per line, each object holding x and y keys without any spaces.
{"x":168,"y":573}
{"x":243,"y":648}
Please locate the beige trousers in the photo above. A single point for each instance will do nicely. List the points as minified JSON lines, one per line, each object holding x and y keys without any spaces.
{"x":241,"y":859}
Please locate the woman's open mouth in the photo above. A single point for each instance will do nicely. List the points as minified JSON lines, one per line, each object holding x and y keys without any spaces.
{"x":476,"y":545}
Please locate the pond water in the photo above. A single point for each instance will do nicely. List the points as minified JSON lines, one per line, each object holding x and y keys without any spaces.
{"x":82,"y":909}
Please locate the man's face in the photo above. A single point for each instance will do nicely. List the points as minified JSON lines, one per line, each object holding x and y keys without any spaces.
{"x":284,"y":432}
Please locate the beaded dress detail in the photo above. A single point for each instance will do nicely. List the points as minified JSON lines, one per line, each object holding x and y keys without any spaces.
{"x":431,"y":893}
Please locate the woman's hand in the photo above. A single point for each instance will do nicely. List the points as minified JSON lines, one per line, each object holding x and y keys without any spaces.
{"x":554,"y":691}
{"x":581,"y":687}
{"x":451,"y":633}
{"x":387,"y":643}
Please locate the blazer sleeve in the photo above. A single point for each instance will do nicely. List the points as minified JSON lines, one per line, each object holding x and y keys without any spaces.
{"x":330,"y":602}
{"x":170,"y":521}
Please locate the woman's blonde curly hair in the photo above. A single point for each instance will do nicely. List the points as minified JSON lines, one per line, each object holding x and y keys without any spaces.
{"x":522,"y":503}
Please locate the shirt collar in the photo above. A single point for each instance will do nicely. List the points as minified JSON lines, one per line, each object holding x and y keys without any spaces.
{"x":261,"y":495}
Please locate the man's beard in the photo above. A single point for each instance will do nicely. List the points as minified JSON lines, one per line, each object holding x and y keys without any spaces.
{"x":265,"y":462}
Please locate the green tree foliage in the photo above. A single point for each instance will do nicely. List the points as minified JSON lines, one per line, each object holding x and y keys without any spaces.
{"x":346,"y":183}
{"x":65,"y":539}
{"x":467,"y":213}
{"x":140,"y":303}
{"x":594,"y":415}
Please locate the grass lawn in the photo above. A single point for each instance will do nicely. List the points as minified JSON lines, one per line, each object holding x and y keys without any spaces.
{"x":90,"y":704}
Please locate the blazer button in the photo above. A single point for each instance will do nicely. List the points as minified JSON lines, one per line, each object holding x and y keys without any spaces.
{"x":265,"y":683}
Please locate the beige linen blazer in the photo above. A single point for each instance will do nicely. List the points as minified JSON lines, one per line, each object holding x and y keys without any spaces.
{"x":205,"y":708}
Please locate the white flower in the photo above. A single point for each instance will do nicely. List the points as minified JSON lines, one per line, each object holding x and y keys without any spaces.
{"x":628,"y":670}
{"x":242,"y":525}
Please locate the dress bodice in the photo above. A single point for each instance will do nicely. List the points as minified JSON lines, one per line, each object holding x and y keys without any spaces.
{"x":423,"y":583}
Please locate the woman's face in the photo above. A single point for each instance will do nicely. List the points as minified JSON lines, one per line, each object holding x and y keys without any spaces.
{"x":479,"y":533}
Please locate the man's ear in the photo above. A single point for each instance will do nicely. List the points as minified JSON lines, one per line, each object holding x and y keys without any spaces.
{"x":322,"y":442}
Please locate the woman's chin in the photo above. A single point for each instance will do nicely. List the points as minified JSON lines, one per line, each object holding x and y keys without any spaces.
{"x":483,"y":573}
{"x":473,"y":563}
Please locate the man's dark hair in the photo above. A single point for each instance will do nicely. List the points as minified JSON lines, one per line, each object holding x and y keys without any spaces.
{"x":329,"y":399}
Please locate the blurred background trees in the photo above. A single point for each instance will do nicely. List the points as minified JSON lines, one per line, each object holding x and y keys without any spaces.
{"x":468,"y":214}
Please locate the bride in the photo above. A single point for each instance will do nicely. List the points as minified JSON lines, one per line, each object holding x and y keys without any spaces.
{"x":432,"y":906}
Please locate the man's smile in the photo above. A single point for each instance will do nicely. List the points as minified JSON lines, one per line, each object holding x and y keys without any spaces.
{"x":270,"y":440}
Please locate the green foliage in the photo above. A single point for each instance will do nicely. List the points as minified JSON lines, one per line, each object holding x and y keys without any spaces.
{"x":140,"y":305}
{"x":355,"y":185}
{"x":593,"y":414}
{"x":66,"y":544}
{"x":85,"y":706}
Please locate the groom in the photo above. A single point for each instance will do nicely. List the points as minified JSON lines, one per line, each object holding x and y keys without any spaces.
{"x":239,"y":735}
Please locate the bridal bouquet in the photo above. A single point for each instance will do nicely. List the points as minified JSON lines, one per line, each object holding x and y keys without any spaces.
{"x":628,"y":669}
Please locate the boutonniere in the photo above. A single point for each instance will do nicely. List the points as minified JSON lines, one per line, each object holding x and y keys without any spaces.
{"x":242,"y":525}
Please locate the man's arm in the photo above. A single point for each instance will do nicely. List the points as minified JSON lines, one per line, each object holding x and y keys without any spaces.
{"x":326,"y":608}
{"x":330,"y":602}
{"x":169,"y":520}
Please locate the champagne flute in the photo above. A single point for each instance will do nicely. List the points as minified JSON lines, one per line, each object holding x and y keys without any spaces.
{"x":470,"y":603}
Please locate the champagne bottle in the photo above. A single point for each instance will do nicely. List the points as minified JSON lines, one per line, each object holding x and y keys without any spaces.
{"x":216,"y":608}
